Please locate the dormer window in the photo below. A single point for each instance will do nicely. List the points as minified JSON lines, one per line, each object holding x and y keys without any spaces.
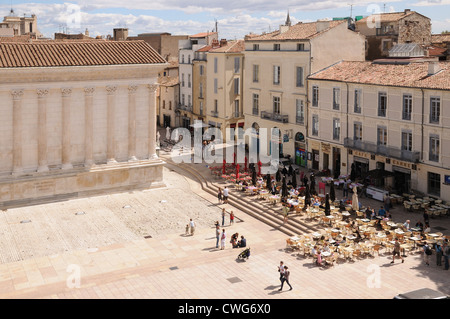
{"x":276,"y":47}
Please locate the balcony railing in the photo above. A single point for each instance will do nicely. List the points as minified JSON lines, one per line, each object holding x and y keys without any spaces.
{"x":383,"y":150}
{"x":283,"y":118}
{"x":184,"y":107}
{"x":215,"y":113}
{"x":300,"y":119}
{"x":237,"y":114}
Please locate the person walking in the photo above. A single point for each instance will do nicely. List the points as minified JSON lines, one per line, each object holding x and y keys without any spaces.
{"x":281,"y":270}
{"x":445,"y":253}
{"x":426,"y":253}
{"x":396,"y":251}
{"x":223,"y":238}
{"x":192,"y":226}
{"x":285,"y":212}
{"x":438,"y":255}
{"x":217,"y":236}
{"x":345,"y":189}
{"x":285,"y":278}
{"x":231,"y":218}
{"x":223,"y":216}
{"x":220,"y":196}
{"x":225,"y":195}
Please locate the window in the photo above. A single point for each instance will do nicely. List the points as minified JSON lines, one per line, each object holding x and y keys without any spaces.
{"x":434,"y":148}
{"x":299,"y":111}
{"x":434,"y":184}
{"x":189,"y":58}
{"x":300,"y":47}
{"x":200,"y":87}
{"x":170,"y":105}
{"x":216,"y":106}
{"x":201,"y":107}
{"x":182,"y":79}
{"x":236,"y":86}
{"x":215,"y":65}
{"x":276,"y":105}
{"x":215,"y":85}
{"x":276,"y":47}
{"x":336,"y":98}
{"x":236,"y":108}
{"x":183,"y":99}
{"x":255,"y":73}
{"x":255,"y":104}
{"x":336,"y":129}
{"x":407,"y":141}
{"x":382,"y":104}
{"x":189,"y":100}
{"x":276,"y":74}
{"x":182,"y":58}
{"x":407,"y":107}
{"x":357,"y":131}
{"x":255,"y":47}
{"x":381,"y":136}
{"x":189,"y":80}
{"x":299,"y":76}
{"x":164,"y":104}
{"x":237,"y":63}
{"x":201,"y":70}
{"x":357,"y":102}
{"x":315,"y":95}
{"x":435,"y":109}
{"x":315,"y":125}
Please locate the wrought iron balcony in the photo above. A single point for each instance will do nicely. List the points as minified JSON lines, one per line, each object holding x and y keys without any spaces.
{"x":283,"y":118}
{"x":387,"y":151}
{"x":215,"y":113}
{"x":184,"y":107}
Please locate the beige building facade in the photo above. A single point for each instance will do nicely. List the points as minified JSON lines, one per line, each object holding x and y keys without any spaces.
{"x":73,"y":127}
{"x":389,"y":117}
{"x":276,"y":67}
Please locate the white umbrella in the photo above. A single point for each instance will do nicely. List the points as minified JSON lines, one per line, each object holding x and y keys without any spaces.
{"x":355,"y":203}
{"x":167,"y":133}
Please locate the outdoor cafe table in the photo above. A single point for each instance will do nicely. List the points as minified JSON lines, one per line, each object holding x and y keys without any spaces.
{"x":365,"y":220}
{"x":274,"y":198}
{"x":414,"y":239}
{"x":326,"y":253}
{"x":433,"y":235}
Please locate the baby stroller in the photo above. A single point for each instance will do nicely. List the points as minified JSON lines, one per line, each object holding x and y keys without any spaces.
{"x":244,"y":254}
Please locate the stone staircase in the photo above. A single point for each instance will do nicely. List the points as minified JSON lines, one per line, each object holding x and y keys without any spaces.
{"x":256,"y":208}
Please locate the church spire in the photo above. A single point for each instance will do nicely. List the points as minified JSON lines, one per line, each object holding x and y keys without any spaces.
{"x":288,"y":20}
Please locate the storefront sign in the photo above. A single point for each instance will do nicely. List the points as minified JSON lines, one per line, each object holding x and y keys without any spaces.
{"x":361,"y":154}
{"x":401,"y":164}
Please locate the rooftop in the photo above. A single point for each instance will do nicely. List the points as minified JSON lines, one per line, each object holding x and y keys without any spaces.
{"x":412,"y":74}
{"x":389,"y":17}
{"x":298,"y":31}
{"x":76,"y":53}
{"x":235,"y":46}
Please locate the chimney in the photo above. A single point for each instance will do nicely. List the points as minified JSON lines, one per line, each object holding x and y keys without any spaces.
{"x":433,"y":67}
{"x":215,"y":43}
{"x":223,"y":42}
{"x":407,"y":11}
{"x":322,"y":25}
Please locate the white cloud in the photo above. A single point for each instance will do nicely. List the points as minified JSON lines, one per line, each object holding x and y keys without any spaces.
{"x":428,"y":3}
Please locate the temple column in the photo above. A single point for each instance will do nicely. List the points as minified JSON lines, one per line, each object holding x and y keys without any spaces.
{"x":152,"y":122}
{"x":17,"y":132}
{"x":88,"y":126}
{"x":110,"y":130}
{"x":42,"y":130}
{"x":132,"y":122}
{"x":65,"y":120}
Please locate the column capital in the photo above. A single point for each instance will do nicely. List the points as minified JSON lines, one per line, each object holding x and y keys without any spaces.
{"x":89,"y":90}
{"x":17,"y":94}
{"x":111,"y":89}
{"x":132,"y":88}
{"x":66,"y":92}
{"x":42,"y":93}
{"x":152,"y":87}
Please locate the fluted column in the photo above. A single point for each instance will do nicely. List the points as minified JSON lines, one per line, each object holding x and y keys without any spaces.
{"x":17,"y":131}
{"x":65,"y":120}
{"x":110,"y":130}
{"x":132,"y":122}
{"x":42,"y":130}
{"x":88,"y":126}
{"x":152,"y":122}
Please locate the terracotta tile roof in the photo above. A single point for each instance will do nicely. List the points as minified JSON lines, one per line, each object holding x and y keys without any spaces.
{"x":403,"y":75}
{"x":202,"y":35}
{"x":440,"y":38}
{"x":17,"y":38}
{"x":388,"y":17}
{"x":169,"y":81}
{"x":298,"y":31}
{"x":231,"y":47}
{"x":436,"y":51}
{"x":76,"y":53}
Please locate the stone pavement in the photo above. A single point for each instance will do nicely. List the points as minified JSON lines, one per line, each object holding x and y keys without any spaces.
{"x":117,"y":261}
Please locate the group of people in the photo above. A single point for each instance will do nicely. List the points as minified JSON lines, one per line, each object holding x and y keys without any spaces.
{"x":222,"y":195}
{"x":190,"y":228}
{"x":236,"y":242}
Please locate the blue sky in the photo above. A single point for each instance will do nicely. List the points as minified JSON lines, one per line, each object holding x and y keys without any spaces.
{"x":235,"y":18}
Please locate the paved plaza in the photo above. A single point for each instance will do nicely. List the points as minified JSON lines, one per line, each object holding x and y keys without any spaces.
{"x":133,"y":245}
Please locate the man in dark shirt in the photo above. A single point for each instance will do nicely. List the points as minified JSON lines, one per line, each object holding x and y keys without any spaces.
{"x":242,"y":242}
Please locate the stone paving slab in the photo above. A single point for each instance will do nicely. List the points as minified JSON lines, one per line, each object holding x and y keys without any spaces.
{"x":175,"y":266}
